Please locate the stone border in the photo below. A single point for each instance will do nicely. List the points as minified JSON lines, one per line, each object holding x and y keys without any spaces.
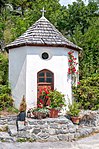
{"x":49,"y":129}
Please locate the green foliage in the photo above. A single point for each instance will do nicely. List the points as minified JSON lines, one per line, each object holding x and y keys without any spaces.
{"x":5,"y":97}
{"x":25,"y":140}
{"x":3,"y":68}
{"x":57,"y":99}
{"x":79,"y":23}
{"x":74,"y":109}
{"x":6,"y":100}
{"x":42,"y":110}
{"x":12,"y":109}
{"x":89,"y":62}
{"x":87,"y":93}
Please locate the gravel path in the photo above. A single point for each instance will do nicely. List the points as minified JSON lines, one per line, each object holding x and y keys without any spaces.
{"x":91,"y":142}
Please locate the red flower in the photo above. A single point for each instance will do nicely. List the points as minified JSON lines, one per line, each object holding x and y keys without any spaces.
{"x":78,"y":83}
{"x":70,"y":64}
{"x":47,"y":97}
{"x":41,"y":101}
{"x":44,"y":89}
{"x":40,"y":106}
{"x":49,"y":88}
{"x":73,"y":69}
{"x":77,"y":72}
{"x":47,"y":92}
{"x":69,"y":53}
{"x":75,"y":58}
{"x":40,"y":90}
{"x":69,"y":70}
{"x":69,"y":60}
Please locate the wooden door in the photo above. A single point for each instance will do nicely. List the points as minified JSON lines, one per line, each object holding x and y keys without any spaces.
{"x":45,"y":79}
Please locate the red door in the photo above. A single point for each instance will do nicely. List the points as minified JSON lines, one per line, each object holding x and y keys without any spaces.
{"x":45,"y":79}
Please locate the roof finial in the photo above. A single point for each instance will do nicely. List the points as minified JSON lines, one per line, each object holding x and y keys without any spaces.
{"x":43,"y":12}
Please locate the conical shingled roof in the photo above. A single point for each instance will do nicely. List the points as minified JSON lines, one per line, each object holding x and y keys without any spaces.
{"x":42,"y":33}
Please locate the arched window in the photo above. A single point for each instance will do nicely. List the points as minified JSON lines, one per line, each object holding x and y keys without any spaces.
{"x":45,"y":78}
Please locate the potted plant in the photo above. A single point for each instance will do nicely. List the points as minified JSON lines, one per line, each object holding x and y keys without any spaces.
{"x":40,"y":113}
{"x":43,"y":99}
{"x":74,"y":110}
{"x":57,"y":102}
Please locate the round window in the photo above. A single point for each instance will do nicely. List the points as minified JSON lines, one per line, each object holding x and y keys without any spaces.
{"x":45,"y":55}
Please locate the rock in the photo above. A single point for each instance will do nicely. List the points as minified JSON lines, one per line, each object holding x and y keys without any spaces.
{"x":4,"y":136}
{"x":61,"y":131}
{"x":23,"y":134}
{"x":52,"y":131}
{"x":54,"y":126}
{"x":36,"y":131}
{"x":76,"y":135}
{"x":21,"y":125}
{"x":4,"y":128}
{"x":53,"y":138}
{"x":43,"y":136}
{"x":12,"y":130}
{"x":89,"y":118}
{"x":63,"y":137}
{"x":96,"y":129}
{"x":85,"y":131}
{"x":70,"y":137}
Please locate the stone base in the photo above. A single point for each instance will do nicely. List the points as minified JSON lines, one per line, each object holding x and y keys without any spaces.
{"x":48,"y":129}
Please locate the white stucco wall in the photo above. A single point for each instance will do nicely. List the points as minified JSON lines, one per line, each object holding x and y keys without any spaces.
{"x":17,"y":73}
{"x":58,"y":64}
{"x":26,"y":62}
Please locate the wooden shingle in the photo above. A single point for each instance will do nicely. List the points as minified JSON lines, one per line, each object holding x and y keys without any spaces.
{"x":42,"y":33}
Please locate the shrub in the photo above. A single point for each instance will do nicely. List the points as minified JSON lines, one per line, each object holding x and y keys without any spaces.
{"x":87,"y":93}
{"x":3,"y":68}
{"x":5,"y":97}
{"x":5,"y":91}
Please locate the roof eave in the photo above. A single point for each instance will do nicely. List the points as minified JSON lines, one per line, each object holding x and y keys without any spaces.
{"x":45,"y":45}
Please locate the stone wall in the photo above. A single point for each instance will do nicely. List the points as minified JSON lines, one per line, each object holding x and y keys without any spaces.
{"x":49,"y":129}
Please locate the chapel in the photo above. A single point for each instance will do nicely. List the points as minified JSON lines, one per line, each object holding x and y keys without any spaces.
{"x":39,"y":58}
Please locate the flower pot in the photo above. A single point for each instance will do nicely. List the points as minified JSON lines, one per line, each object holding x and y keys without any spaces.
{"x":53,"y":113}
{"x":75,"y":119}
{"x":39,"y":115}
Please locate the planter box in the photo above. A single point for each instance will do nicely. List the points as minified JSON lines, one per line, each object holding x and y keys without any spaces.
{"x":39,"y":115}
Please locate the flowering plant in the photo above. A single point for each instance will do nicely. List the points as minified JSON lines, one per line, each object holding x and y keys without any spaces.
{"x":57,"y":99}
{"x":72,"y":70}
{"x":72,"y":63}
{"x":43,"y":100}
{"x":41,"y":111}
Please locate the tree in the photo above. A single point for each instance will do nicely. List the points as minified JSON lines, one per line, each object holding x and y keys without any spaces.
{"x":78,"y":23}
{"x":90,"y":43}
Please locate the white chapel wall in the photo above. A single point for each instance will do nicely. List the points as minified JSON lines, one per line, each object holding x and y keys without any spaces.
{"x":26,"y":62}
{"x":58,"y":64}
{"x":17,"y":73}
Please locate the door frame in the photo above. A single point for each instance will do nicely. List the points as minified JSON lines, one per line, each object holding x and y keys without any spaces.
{"x":45,"y":83}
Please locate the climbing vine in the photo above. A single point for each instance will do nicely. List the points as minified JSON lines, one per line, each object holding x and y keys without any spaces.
{"x":72,"y":69}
